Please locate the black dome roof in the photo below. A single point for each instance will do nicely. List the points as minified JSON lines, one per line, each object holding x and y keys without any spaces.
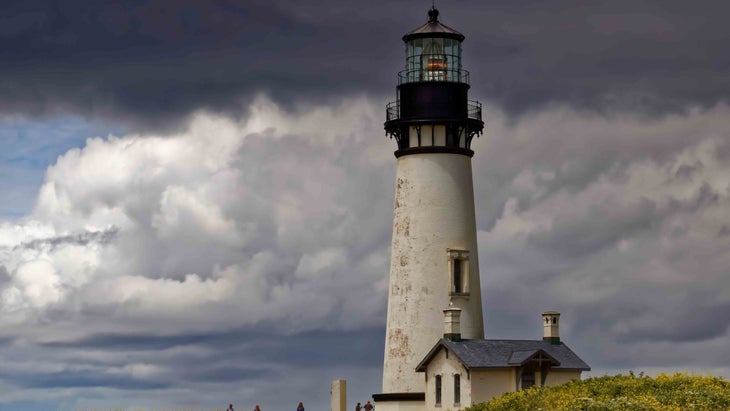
{"x":434,"y":28}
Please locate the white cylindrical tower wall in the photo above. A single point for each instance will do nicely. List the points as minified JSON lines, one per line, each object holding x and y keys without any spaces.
{"x":434,"y":215}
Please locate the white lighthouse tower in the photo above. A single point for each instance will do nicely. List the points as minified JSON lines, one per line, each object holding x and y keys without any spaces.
{"x":434,"y":250}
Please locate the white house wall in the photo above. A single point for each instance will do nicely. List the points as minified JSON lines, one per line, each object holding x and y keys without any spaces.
{"x":447,"y":368}
{"x":400,"y":406}
{"x":488,"y":384}
{"x":557,"y":377}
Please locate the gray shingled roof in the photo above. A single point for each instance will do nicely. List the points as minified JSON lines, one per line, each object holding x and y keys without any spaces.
{"x":475,"y":354}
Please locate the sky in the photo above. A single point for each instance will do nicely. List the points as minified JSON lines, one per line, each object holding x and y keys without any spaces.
{"x":197,"y":197}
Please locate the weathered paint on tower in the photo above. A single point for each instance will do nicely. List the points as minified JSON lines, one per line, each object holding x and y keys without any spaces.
{"x":434,"y":212}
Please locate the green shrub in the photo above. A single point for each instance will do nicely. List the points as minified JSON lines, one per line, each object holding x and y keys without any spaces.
{"x":678,"y":392}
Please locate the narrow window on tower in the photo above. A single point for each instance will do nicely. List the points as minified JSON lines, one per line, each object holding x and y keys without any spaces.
{"x":458,"y":262}
{"x":438,"y":390}
{"x":457,"y":389}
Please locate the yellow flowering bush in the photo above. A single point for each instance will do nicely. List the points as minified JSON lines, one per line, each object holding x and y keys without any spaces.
{"x":678,"y":392}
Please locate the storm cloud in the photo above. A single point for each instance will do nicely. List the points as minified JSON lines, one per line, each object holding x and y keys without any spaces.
{"x":151,"y":63}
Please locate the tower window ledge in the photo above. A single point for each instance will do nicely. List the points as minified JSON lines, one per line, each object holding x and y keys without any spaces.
{"x":459,"y":295}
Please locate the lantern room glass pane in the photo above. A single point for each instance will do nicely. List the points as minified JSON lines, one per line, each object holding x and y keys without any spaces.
{"x":433,"y":59}
{"x":433,"y":46}
{"x":410,"y":60}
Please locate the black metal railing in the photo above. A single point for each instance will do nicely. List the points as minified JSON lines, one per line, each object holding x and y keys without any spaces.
{"x":392,"y":111}
{"x":474,"y":110}
{"x":473,"y":107}
{"x":418,"y":75}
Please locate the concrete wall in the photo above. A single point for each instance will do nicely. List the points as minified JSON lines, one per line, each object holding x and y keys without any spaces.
{"x":399,"y":406}
{"x":488,"y":384}
{"x":338,"y":395}
{"x":434,"y":210}
{"x":557,"y":377}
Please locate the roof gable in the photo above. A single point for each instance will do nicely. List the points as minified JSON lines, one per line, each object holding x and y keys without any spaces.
{"x":521,"y":357}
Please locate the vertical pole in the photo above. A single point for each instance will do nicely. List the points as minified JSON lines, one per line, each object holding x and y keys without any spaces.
{"x":338,"y":395}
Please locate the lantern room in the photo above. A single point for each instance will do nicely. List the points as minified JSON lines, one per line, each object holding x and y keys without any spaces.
{"x":433,"y":52}
{"x":433,"y":112}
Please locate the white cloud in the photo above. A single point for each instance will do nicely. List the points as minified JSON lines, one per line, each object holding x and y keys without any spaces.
{"x":14,"y":234}
{"x":222,"y":216}
{"x":325,"y":262}
{"x":39,"y":282}
{"x":186,"y":214}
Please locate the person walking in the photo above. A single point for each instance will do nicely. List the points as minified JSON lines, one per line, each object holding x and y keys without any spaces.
{"x":230,"y":407}
{"x":300,"y":407}
{"x":256,"y":408}
{"x":368,"y":406}
{"x":358,"y":407}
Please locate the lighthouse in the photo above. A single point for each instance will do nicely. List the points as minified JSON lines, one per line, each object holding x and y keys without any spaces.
{"x":434,"y":262}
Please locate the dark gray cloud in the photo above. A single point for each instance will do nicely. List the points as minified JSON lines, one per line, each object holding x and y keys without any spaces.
{"x":703,"y":322}
{"x":229,"y":356}
{"x":80,"y":239}
{"x":84,"y":379}
{"x":602,"y":226}
{"x":226,"y":374}
{"x":132,"y":342}
{"x":150,"y":62}
{"x":357,"y":347}
{"x":4,"y":275}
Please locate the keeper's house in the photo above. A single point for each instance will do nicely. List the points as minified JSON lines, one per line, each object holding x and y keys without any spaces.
{"x":460,"y":373}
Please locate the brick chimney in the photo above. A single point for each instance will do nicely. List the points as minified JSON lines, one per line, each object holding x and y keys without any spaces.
{"x":452,"y":323}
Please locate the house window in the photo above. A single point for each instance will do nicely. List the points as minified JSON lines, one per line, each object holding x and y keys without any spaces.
{"x":458,"y":272}
{"x":438,"y":390}
{"x":528,"y":379}
{"x":457,"y":389}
